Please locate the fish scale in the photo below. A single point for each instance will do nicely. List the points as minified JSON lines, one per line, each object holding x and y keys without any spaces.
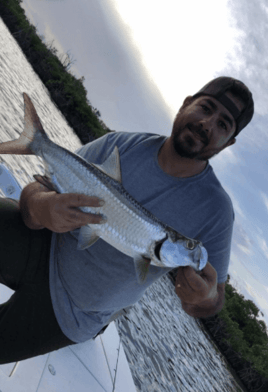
{"x":141,"y":231}
{"x":122,"y":222}
{"x":130,"y":228}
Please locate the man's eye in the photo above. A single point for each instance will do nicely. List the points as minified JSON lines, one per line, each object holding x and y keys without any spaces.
{"x":223,"y":125}
{"x":205,"y":107}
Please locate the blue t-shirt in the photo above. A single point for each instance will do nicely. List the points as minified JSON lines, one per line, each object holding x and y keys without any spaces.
{"x":88,"y":286}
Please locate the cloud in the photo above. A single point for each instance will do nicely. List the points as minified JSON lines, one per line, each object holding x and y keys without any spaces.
{"x":260,"y":300}
{"x":179,"y":41}
{"x":236,"y":204}
{"x":228,"y":157}
{"x":247,"y":61}
{"x":265,"y":199}
{"x":262,"y":244}
{"x":249,"y":18}
{"x":241,"y":240}
{"x":244,"y":249}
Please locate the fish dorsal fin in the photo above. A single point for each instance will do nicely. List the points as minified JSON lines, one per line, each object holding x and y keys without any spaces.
{"x":111,"y":166}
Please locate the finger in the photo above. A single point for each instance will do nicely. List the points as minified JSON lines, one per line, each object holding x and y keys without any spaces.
{"x":96,"y":218}
{"x":180,"y":277}
{"x":194,"y":280}
{"x":83,"y":218}
{"x":81,"y":200}
{"x":208,"y":273}
{"x":181,"y":280}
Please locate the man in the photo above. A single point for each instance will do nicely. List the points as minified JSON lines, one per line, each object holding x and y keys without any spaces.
{"x":65,"y":296}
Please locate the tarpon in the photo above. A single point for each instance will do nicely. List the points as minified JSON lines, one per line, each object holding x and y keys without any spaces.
{"x":130,"y":228}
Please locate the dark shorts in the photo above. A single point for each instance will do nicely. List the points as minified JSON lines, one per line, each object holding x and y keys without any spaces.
{"x":28,"y":326}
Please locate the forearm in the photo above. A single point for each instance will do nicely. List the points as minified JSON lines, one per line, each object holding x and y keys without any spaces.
{"x":30,"y":200}
{"x":206,"y":309}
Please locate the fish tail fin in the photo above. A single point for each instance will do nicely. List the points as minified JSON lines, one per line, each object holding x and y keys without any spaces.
{"x":32,"y":128}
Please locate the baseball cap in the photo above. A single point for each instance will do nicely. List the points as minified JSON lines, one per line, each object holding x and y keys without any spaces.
{"x":217,"y":88}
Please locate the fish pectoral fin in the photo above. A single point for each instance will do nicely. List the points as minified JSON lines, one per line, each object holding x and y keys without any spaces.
{"x":44,"y":181}
{"x":142,"y":267}
{"x":111,"y":166}
{"x":87,"y":237}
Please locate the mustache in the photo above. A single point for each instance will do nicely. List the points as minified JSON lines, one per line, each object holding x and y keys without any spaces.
{"x":198,"y":130}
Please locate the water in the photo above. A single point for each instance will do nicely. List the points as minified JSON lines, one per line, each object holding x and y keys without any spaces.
{"x":16,"y":77}
{"x":165,"y":348}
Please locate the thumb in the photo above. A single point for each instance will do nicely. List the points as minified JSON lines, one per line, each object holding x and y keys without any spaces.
{"x":208,"y":273}
{"x":194,"y":279}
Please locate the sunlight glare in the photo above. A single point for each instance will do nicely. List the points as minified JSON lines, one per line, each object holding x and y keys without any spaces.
{"x":181,"y":44}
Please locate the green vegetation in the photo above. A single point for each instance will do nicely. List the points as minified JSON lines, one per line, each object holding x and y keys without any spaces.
{"x":65,"y":89}
{"x":240,"y":337}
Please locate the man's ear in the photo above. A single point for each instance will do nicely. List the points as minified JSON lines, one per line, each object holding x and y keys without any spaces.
{"x":186,"y":102}
{"x":231,"y":142}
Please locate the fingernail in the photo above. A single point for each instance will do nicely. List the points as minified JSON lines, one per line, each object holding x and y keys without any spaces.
{"x":103,"y":220}
{"x":101,"y":203}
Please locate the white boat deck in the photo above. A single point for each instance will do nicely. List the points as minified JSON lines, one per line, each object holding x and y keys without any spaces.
{"x":98,"y":365}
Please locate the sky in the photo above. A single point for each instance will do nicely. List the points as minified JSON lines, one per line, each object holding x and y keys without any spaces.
{"x":141,"y":58}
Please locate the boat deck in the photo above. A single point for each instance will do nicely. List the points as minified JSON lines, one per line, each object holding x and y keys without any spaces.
{"x":98,"y":365}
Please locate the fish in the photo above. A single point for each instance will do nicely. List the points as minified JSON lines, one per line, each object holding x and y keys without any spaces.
{"x":130,"y":227}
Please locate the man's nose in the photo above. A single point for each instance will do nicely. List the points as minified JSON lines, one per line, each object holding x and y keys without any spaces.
{"x":207,"y":125}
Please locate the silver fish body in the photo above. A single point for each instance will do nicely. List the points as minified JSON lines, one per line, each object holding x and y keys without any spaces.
{"x":130,"y":228}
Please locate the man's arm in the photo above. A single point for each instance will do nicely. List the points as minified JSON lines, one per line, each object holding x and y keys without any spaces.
{"x":207,"y":308}
{"x":30,"y":195}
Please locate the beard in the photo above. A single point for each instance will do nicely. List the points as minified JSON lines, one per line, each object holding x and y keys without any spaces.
{"x":187,"y":146}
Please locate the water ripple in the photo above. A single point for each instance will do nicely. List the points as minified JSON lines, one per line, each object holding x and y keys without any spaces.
{"x":166,"y":349}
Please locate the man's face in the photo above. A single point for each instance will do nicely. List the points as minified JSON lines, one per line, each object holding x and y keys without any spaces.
{"x":204,"y":127}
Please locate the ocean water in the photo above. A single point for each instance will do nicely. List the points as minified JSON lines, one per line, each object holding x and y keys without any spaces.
{"x":167,"y":350}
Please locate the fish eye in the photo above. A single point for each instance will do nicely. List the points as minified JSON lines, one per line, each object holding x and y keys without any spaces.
{"x":190,"y":245}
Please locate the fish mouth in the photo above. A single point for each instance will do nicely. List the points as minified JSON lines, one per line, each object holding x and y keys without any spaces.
{"x":158,"y":247}
{"x":157,"y":250}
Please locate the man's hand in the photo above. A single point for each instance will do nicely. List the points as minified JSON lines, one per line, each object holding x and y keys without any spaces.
{"x":197,"y":289}
{"x":42,"y":208}
{"x":60,"y":213}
